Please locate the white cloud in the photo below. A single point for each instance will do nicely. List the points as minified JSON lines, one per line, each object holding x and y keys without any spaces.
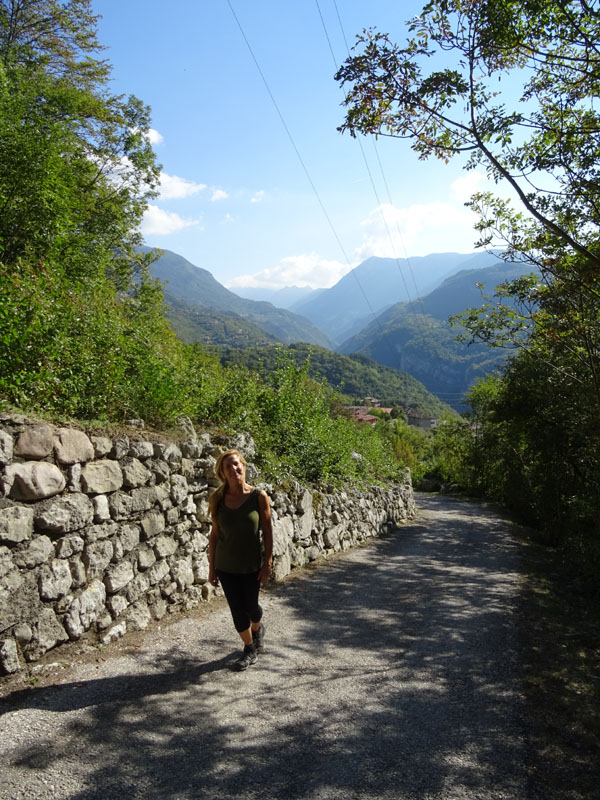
{"x":308,"y":269}
{"x":468,"y":184}
{"x":174,"y":188}
{"x":420,"y":229}
{"x":258,"y":196}
{"x":218,"y":194}
{"x":154,"y":137}
{"x":159,"y":222}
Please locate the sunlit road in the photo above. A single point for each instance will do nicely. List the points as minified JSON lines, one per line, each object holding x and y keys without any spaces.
{"x":390,"y":672}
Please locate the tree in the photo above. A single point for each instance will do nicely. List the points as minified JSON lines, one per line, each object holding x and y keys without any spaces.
{"x":76,"y":164}
{"x":514,"y":88}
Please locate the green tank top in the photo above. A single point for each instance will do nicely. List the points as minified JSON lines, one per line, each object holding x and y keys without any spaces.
{"x":238,"y":546}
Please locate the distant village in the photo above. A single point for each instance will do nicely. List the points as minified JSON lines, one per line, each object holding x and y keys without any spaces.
{"x":413,"y":417}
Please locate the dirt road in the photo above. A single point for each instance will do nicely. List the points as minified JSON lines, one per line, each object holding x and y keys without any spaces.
{"x":391,"y":672}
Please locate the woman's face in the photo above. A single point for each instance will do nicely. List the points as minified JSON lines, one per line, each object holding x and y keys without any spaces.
{"x":234,"y":470}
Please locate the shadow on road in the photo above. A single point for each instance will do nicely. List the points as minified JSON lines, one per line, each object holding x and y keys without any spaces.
{"x":397,"y":679}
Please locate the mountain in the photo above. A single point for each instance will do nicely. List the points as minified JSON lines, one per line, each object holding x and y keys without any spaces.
{"x":282,"y":298}
{"x":416,"y":337}
{"x":197,"y":288}
{"x":355,"y":376}
{"x":376,"y":284}
{"x":210,"y":327}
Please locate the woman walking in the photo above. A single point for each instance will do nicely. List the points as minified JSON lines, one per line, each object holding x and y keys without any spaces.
{"x":236,"y":557}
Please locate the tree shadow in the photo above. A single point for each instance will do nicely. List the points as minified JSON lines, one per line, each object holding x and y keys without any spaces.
{"x":397,"y":679}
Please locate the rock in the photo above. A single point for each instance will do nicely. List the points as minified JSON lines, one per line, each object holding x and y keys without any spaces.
{"x":101,"y":509}
{"x":134,"y":473}
{"x":6,"y":447}
{"x":47,"y":632}
{"x":158,"y":572}
{"x":146,"y":557}
{"x":37,"y":552}
{"x":9,"y":657}
{"x":153,"y":524}
{"x":169,"y":453}
{"x":16,"y":524}
{"x":97,"y":557}
{"x":99,"y":477}
{"x":141,"y":450}
{"x":85,"y":609}
{"x":68,"y":546}
{"x":179,"y":489}
{"x":282,"y":566}
{"x":283,"y":533}
{"x":164,"y":546}
{"x":102,"y":445}
{"x":117,"y":576}
{"x":116,"y":632}
{"x":72,"y":446}
{"x":183,"y":573}
{"x":117,"y":605}
{"x":120,"y":447}
{"x":138,"y":616}
{"x":65,"y":514}
{"x":55,"y":580}
{"x":33,"y":480}
{"x":35,"y":442}
{"x":22,"y":633}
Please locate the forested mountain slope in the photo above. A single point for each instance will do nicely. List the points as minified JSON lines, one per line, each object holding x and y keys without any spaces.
{"x":196,"y":287}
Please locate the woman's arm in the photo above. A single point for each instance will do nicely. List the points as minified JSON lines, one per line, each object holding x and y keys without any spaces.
{"x":264,"y":512}
{"x":212,"y":546}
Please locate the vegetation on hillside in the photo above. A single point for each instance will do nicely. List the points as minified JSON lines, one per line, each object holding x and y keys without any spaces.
{"x":83,"y":331}
{"x":538,"y":424}
{"x":355,"y":376}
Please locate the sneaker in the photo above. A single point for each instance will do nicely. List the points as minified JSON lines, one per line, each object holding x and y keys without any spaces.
{"x":247,"y":658}
{"x":258,"y":638}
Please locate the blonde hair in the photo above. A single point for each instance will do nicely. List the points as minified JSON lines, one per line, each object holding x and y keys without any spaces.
{"x":219,"y":492}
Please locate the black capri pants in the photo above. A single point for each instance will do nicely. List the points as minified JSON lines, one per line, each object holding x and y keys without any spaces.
{"x":241,"y":591}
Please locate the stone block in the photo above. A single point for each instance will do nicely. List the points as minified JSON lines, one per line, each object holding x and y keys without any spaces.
{"x":179,"y":489}
{"x":138,"y":616}
{"x":55,"y":580}
{"x":116,"y":632}
{"x":6,"y":447}
{"x":159,"y":469}
{"x":65,"y":514}
{"x":69,"y":546}
{"x":85,"y":609}
{"x":102,"y":445}
{"x":33,"y":480}
{"x":117,"y":605}
{"x":120,"y":447}
{"x":118,"y":576}
{"x":78,"y":573}
{"x":36,"y":442}
{"x":138,"y":587}
{"x":164,"y":546}
{"x":128,"y":537}
{"x":16,"y":524}
{"x":153,"y":524}
{"x":101,"y":509}
{"x":39,"y":550}
{"x":135,"y":474}
{"x":141,"y":449}
{"x":283,"y":534}
{"x":146,"y":557}
{"x":158,"y":572}
{"x":47,"y":632}
{"x":183,"y":573}
{"x":96,"y":557}
{"x":282,"y":566}
{"x":72,"y":446}
{"x":9,"y":657}
{"x":102,"y":476}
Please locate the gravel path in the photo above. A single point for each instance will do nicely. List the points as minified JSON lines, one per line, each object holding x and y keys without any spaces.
{"x":391,"y":672}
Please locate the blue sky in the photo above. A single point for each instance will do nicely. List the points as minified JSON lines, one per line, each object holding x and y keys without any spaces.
{"x":235,"y":198}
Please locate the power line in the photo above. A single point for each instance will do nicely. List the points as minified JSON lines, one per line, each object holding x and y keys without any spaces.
{"x":296,"y":150}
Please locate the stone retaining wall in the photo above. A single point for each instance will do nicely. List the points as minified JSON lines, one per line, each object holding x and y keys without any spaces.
{"x":100,"y":535}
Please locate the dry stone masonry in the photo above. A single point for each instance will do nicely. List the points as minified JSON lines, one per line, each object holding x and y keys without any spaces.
{"x":100,"y":535}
